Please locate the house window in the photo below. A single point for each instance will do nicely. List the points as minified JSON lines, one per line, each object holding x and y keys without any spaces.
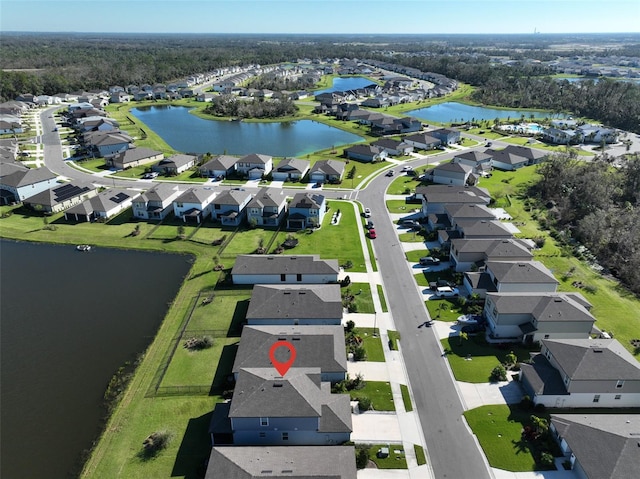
{"x":263,"y":434}
{"x":180,"y":205}
{"x":546,"y":336}
{"x":264,"y":421}
{"x":618,"y":396}
{"x":285,"y":436}
{"x":596,"y":398}
{"x":283,"y":277}
{"x":217,"y":206}
{"x":619,"y":384}
{"x":298,"y":277}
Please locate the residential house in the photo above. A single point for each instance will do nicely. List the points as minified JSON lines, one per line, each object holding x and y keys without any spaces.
{"x":298,"y":409}
{"x":423,"y":141}
{"x":194,"y":204}
{"x":254,"y":166}
{"x":446,"y":136}
{"x":18,"y":182}
{"x":316,"y":347}
{"x":134,"y":157}
{"x":219,"y":167}
{"x":479,"y":161}
{"x":290,"y":169}
{"x":299,"y":462}
{"x":468,"y":254}
{"x":587,"y":373}
{"x":110,"y":143}
{"x":365,"y":153}
{"x":511,"y":277}
{"x":156,"y":203}
{"x":60,"y":198}
{"x":120,"y":97}
{"x":599,"y":446}
{"x":103,"y":206}
{"x":306,"y":210}
{"x":531,"y":317}
{"x":96,"y":123}
{"x":395,"y":126}
{"x":175,"y":164}
{"x":450,"y":173}
{"x":394,"y":147}
{"x":436,"y":197}
{"x":205,"y":97}
{"x":267,"y":208}
{"x":514,"y":156}
{"x":597,"y":134}
{"x":308,"y":304}
{"x":229,"y":207}
{"x":276,"y":269}
{"x":327,"y":171}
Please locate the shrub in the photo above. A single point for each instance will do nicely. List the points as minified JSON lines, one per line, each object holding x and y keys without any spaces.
{"x":155,"y":442}
{"x":364,"y":403}
{"x":499,"y":373}
{"x":546,"y":459}
{"x":349,"y":326}
{"x":362,"y":456}
{"x":359,"y":353}
{"x":196,"y":344}
{"x":526,"y":403}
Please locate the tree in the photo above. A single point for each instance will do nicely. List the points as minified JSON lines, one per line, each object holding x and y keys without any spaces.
{"x":499,"y":373}
{"x":362,"y":456}
{"x":540,"y":424}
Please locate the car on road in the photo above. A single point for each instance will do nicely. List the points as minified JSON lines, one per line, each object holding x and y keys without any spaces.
{"x":429,"y":260}
{"x":488,"y":143}
{"x":369,"y":225}
{"x":150,"y":176}
{"x":372,"y":234}
{"x":389,"y":173}
{"x":367,"y":212}
{"x":407,"y":168}
{"x":447,"y":292}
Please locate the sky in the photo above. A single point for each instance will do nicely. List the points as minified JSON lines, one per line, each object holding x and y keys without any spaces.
{"x":321,"y":16}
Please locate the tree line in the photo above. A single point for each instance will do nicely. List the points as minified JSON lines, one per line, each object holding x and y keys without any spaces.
{"x":597,"y":204}
{"x":232,"y":106}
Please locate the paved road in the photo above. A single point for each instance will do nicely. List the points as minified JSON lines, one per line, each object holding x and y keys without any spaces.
{"x":452,"y":450}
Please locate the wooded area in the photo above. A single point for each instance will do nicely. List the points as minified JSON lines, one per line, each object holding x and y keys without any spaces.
{"x":596,"y":204}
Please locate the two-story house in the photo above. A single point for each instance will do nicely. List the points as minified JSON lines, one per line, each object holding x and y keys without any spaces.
{"x":531,"y":317}
{"x":229,"y":207}
{"x":17,"y":182}
{"x":309,"y":304}
{"x":458,"y":174}
{"x":134,"y":157}
{"x":194,"y":204}
{"x":446,"y":136}
{"x":281,"y":269}
{"x":593,"y":373}
{"x":219,"y":167}
{"x":436,"y":197}
{"x":306,"y":210}
{"x":156,"y":203}
{"x":254,"y":166}
{"x":479,"y":161}
{"x":267,"y":208}
{"x":511,"y":277}
{"x":468,"y":254}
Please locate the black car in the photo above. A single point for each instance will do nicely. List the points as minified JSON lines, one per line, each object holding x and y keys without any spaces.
{"x":369,"y":225}
{"x":472,"y":328}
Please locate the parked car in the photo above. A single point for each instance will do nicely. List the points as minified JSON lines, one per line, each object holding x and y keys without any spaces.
{"x":367,"y":212}
{"x":410,"y":222}
{"x":472,"y":328}
{"x":407,"y":168}
{"x":369,"y":225}
{"x":447,"y":292}
{"x":412,"y":173}
{"x":389,"y":173}
{"x":413,"y":199}
{"x":150,"y":176}
{"x":372,"y":234}
{"x":433,"y":285}
{"x":429,"y":260}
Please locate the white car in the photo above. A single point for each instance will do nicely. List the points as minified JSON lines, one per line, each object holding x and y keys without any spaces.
{"x":447,"y":292}
{"x":367,"y":212}
{"x":407,"y":168}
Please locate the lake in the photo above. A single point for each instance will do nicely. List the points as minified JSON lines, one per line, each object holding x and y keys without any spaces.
{"x":69,"y":320}
{"x":190,"y":134}
{"x":346,"y":84}
{"x":451,"y":112}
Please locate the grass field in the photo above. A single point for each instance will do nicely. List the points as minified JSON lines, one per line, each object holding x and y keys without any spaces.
{"x":380,"y":394}
{"x":395,"y":460}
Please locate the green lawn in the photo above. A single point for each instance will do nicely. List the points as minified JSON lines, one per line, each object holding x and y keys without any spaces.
{"x":400,"y":206}
{"x":499,"y":429}
{"x":363,"y":298}
{"x":394,"y":337}
{"x":372,"y":344}
{"x":406,"y":398}
{"x":444,"y":309}
{"x":402,"y":185}
{"x":414,"y":256}
{"x":395,"y":460}
{"x":383,"y":301}
{"x":380,"y":394}
{"x":420,"y":456}
{"x":483,"y":357}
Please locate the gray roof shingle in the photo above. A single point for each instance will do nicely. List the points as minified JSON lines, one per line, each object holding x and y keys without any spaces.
{"x":312,"y":301}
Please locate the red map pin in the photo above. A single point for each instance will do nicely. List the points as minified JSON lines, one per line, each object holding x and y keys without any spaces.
{"x":281,"y":367}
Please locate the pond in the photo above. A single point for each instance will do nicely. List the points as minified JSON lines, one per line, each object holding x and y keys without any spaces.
{"x":452,"y":112}
{"x":190,"y":134}
{"x":70,"y":319}
{"x":346,"y":84}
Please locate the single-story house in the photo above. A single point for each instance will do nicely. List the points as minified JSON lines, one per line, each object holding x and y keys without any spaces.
{"x":60,"y":198}
{"x":450,"y":173}
{"x":104,"y":205}
{"x":293,"y":304}
{"x":573,"y":373}
{"x":436,"y":197}
{"x":290,"y":169}
{"x":423,"y":141}
{"x":366,"y":153}
{"x":276,"y":269}
{"x":267,"y":208}
{"x":327,"y":171}
{"x":175,"y":164}
{"x":219,"y":167}
{"x":110,"y":143}
{"x":134,"y":157}
{"x":316,"y":347}
{"x":394,"y":147}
